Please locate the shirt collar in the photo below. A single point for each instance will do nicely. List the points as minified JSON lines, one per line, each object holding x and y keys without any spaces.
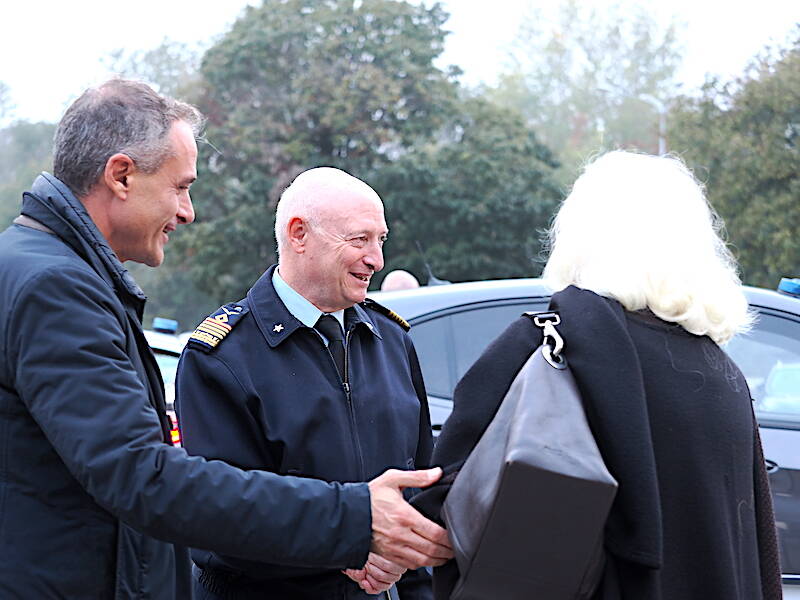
{"x":278,"y":324}
{"x":300,"y":308}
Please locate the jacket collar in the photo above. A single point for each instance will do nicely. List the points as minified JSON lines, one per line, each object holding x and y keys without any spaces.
{"x":278,"y":324}
{"x":52,"y":203}
{"x":358,"y":316}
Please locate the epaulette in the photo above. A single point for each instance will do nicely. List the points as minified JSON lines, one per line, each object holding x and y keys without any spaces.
{"x":216,"y":326}
{"x":370,"y":303}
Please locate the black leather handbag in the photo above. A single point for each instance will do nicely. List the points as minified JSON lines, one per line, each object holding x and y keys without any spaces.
{"x":527,"y":510}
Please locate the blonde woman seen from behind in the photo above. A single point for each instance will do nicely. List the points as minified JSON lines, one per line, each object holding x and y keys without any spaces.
{"x":647,"y":291}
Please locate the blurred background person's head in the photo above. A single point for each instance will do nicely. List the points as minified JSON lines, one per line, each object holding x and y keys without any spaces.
{"x":399,"y":280}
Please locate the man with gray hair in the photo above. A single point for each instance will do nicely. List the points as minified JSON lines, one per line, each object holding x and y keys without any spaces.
{"x":309,"y":378}
{"x":95,"y":502}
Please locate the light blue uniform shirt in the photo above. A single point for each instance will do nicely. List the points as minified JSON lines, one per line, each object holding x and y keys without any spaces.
{"x":301,"y":309}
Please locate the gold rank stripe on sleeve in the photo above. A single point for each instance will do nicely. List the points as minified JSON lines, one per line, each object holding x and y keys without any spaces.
{"x":218,"y":320}
{"x":214,"y":327}
{"x":203,"y":329}
{"x":210,"y":331}
{"x":202,"y":336}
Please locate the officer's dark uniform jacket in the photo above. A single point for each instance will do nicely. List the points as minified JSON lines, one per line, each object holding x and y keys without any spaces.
{"x":88,"y":481}
{"x":269,"y":396}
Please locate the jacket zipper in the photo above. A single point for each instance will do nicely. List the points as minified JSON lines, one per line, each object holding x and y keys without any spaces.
{"x":345,"y":379}
{"x":350,"y":406}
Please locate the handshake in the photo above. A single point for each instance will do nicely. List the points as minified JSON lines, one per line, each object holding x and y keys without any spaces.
{"x":401,"y":537}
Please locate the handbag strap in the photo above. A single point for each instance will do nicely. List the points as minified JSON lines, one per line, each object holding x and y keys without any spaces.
{"x":552,"y":342}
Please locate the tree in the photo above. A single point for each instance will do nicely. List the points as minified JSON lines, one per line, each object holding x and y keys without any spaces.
{"x":25,"y":150}
{"x":299,"y":82}
{"x":743,"y":140}
{"x":477,"y":201}
{"x":351,"y":84}
{"x":592,"y":79}
{"x":171,"y":67}
{"x":296,"y":84}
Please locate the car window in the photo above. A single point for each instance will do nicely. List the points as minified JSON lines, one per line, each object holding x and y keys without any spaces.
{"x":448,"y":345}
{"x":433,"y":342}
{"x":475,"y":329}
{"x":168,"y":364}
{"x":769,"y":357}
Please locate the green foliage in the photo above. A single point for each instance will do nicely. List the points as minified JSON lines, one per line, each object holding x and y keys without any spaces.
{"x":743,"y":140}
{"x":297,"y":84}
{"x":592,"y":79}
{"x":172,"y":293}
{"x":171,"y":67}
{"x":25,"y":151}
{"x":340,"y":82}
{"x":477,"y":201}
{"x":302,"y":83}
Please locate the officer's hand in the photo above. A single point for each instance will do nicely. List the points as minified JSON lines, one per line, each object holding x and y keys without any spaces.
{"x":400,"y":533}
{"x":377,"y":576}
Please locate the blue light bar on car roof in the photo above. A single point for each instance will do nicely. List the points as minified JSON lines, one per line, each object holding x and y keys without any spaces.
{"x":165,"y":325}
{"x":789,"y":286}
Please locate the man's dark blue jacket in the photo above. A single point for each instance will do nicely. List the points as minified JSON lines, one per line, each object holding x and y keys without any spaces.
{"x":94,"y":502}
{"x":269,"y":396}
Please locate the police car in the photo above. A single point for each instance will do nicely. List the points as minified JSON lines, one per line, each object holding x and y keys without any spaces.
{"x":167,"y":347}
{"x":452,"y":324}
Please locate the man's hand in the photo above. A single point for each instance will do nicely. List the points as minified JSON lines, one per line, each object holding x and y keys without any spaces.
{"x":400,"y":533}
{"x":377,"y":576}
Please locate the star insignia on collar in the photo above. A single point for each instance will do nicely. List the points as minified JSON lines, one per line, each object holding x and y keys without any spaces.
{"x":278,"y":328}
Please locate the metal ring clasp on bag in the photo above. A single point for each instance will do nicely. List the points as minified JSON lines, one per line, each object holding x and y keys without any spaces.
{"x":553,"y":343}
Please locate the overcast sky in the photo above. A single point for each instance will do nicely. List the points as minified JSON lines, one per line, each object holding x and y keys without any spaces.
{"x":51,"y":50}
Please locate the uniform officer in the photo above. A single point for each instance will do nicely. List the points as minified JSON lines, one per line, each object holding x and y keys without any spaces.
{"x":306,"y":377}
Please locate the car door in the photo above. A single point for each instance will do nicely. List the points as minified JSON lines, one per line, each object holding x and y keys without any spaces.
{"x":769,"y":357}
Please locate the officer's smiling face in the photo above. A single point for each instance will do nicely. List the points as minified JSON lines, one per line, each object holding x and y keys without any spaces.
{"x":344,"y":248}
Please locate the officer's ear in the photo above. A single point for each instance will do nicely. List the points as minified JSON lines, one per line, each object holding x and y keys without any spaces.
{"x":297,"y":234}
{"x":115,"y":176}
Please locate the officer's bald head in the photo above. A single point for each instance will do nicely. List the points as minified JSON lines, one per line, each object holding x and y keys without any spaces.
{"x":331,"y":229}
{"x":314,"y":196}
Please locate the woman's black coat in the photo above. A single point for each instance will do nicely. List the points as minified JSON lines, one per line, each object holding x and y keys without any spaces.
{"x":673,"y":418}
